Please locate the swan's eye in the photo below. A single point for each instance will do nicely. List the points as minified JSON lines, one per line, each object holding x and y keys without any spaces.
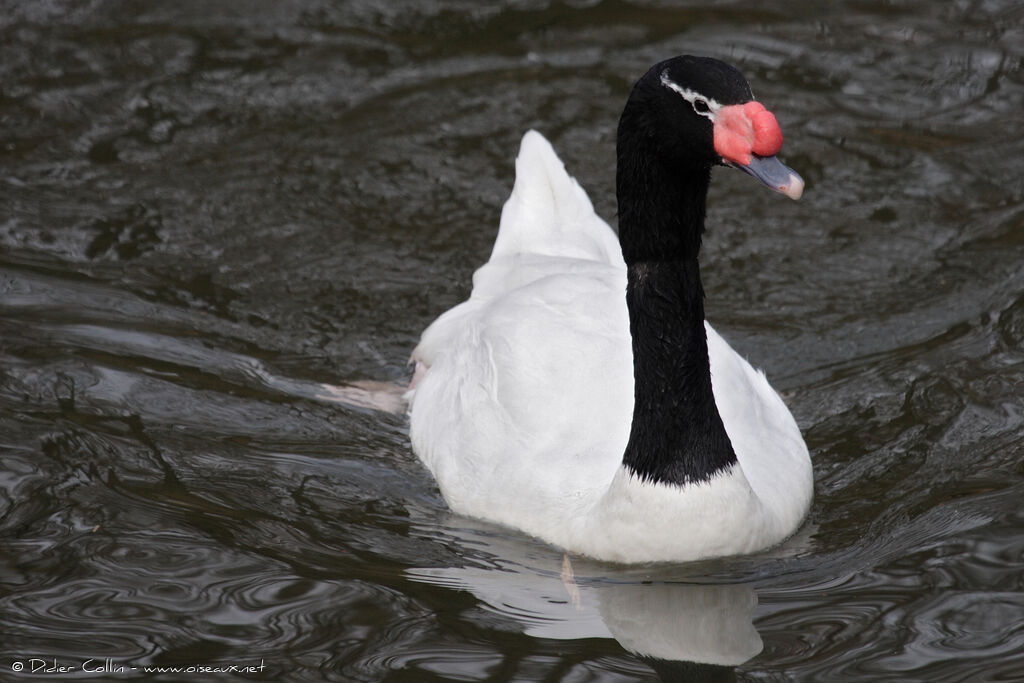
{"x":702,"y":105}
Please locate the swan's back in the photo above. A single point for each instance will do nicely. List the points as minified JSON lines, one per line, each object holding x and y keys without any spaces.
{"x":528,"y":386}
{"x":549,"y":214}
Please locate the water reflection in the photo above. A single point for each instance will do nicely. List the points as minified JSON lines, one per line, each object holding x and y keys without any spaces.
{"x":671,"y":624}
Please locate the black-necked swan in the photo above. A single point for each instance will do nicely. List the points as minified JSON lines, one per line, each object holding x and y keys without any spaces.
{"x":579,"y":395}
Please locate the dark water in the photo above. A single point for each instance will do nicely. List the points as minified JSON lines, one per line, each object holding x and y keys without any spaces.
{"x":207,"y":207}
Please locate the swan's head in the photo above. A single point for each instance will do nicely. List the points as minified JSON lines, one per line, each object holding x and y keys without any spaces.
{"x":700,"y":111}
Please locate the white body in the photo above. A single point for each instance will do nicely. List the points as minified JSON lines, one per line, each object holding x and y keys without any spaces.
{"x":524,"y":395}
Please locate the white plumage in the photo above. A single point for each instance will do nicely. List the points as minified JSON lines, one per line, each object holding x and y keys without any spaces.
{"x":523,"y":399}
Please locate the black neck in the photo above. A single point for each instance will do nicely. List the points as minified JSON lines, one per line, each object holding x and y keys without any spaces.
{"x":677,"y":434}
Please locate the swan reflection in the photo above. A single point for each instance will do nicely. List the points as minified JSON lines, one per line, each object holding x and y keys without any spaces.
{"x":654,"y":613}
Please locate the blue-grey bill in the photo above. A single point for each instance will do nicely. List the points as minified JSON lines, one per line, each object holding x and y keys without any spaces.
{"x":774,"y":174}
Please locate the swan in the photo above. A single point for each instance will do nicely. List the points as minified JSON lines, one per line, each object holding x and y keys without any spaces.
{"x":579,"y":395}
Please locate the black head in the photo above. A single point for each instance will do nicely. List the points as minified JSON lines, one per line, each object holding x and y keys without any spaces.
{"x":687,"y":114}
{"x":672,"y":106}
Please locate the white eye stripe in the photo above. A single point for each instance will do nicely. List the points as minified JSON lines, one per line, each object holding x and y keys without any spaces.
{"x":692,"y":96}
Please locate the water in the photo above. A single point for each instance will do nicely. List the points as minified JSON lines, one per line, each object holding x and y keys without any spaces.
{"x":206,"y":208}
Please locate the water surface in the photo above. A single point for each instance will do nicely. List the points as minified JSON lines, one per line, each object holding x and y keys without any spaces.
{"x":207,"y":207}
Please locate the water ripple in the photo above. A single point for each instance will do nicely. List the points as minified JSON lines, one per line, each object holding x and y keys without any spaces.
{"x":210,"y":208}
